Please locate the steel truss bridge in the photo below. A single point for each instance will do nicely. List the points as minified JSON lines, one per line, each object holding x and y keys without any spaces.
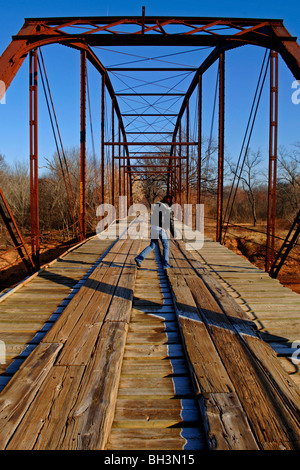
{"x":95,"y":357}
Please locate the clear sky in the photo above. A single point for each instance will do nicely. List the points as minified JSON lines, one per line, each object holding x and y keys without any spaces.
{"x":242,"y":69}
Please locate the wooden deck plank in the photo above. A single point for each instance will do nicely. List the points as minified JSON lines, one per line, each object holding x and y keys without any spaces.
{"x":245,"y":373}
{"x":153,"y":367}
{"x":228,"y":425}
{"x":42,"y":427}
{"x":90,"y":419}
{"x":115,"y":373}
{"x":255,"y":292}
{"x":98,"y":384}
{"x":46,"y":294}
{"x":156,"y":439}
{"x":155,"y":413}
{"x":69,"y":318}
{"x":19,"y":393}
{"x":155,"y":390}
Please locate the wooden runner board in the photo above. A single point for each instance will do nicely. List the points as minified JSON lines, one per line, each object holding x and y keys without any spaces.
{"x":25,"y":309}
{"x":267,"y":396}
{"x":209,"y":374}
{"x":70,"y":404}
{"x":155,"y":391}
{"x":255,"y":291}
{"x":19,"y":393}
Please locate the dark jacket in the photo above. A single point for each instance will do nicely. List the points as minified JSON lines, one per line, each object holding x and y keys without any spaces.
{"x":162,"y":216}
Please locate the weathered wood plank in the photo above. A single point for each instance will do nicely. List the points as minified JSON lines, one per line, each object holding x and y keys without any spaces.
{"x":169,"y":387}
{"x":44,"y":423}
{"x":261,"y":351}
{"x":208,"y":371}
{"x":245,"y":373}
{"x":83,"y":336}
{"x":90,"y":420}
{"x":160,"y":351}
{"x":18,"y":394}
{"x":155,"y":439}
{"x":206,"y":366}
{"x":68,"y":320}
{"x":227,"y":425}
{"x":153,"y":367}
{"x":155,"y":413}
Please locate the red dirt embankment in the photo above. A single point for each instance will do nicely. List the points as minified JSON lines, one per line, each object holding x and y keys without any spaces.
{"x":12,"y":269}
{"x":249,"y":244}
{"x":247,"y":241}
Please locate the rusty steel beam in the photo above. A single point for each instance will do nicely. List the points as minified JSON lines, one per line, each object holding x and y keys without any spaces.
{"x":151,"y":158}
{"x":147,"y":114}
{"x":36,"y":32}
{"x":146,"y":173}
{"x":151,"y":143}
{"x":33,"y":150}
{"x":180,"y":166}
{"x":221,"y":147}
{"x":83,"y":70}
{"x":199,"y":139}
{"x":147,"y":153}
{"x":15,"y":234}
{"x":148,"y":166}
{"x":151,"y":69}
{"x":113,"y":151}
{"x":119,"y":169}
{"x":187,"y":109}
{"x":148,"y":133}
{"x":208,"y":62}
{"x":102,"y":156}
{"x":286,"y":247}
{"x":150,"y":94}
{"x":273,"y":140}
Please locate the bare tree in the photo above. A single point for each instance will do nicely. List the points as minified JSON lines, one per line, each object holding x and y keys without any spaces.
{"x":249,"y":178}
{"x":3,"y":166}
{"x":152,"y":186}
{"x":15,"y":186}
{"x":289,"y":176}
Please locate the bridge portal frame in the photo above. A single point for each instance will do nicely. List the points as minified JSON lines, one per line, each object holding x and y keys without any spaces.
{"x":223,"y":34}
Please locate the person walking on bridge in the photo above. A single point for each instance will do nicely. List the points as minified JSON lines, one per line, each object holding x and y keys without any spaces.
{"x":162,"y":220}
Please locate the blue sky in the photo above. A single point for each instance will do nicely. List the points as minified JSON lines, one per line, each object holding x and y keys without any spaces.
{"x":242,"y":69}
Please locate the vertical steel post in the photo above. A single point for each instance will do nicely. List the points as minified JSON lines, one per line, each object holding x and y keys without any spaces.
{"x":124,"y":169}
{"x":33,"y":144}
{"x":180,"y":169}
{"x":187,"y":149}
{"x":128,"y":183}
{"x":174,"y":191}
{"x":119,"y":138}
{"x":221,"y":146}
{"x":170,"y":174}
{"x":113,"y":151}
{"x":83,"y":145}
{"x":273,"y":137}
{"x":119,"y":169}
{"x":102,"y":136}
{"x":199,"y":138}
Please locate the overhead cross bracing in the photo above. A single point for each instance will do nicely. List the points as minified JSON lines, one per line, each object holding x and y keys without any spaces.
{"x":165,"y":97}
{"x":150,"y":114}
